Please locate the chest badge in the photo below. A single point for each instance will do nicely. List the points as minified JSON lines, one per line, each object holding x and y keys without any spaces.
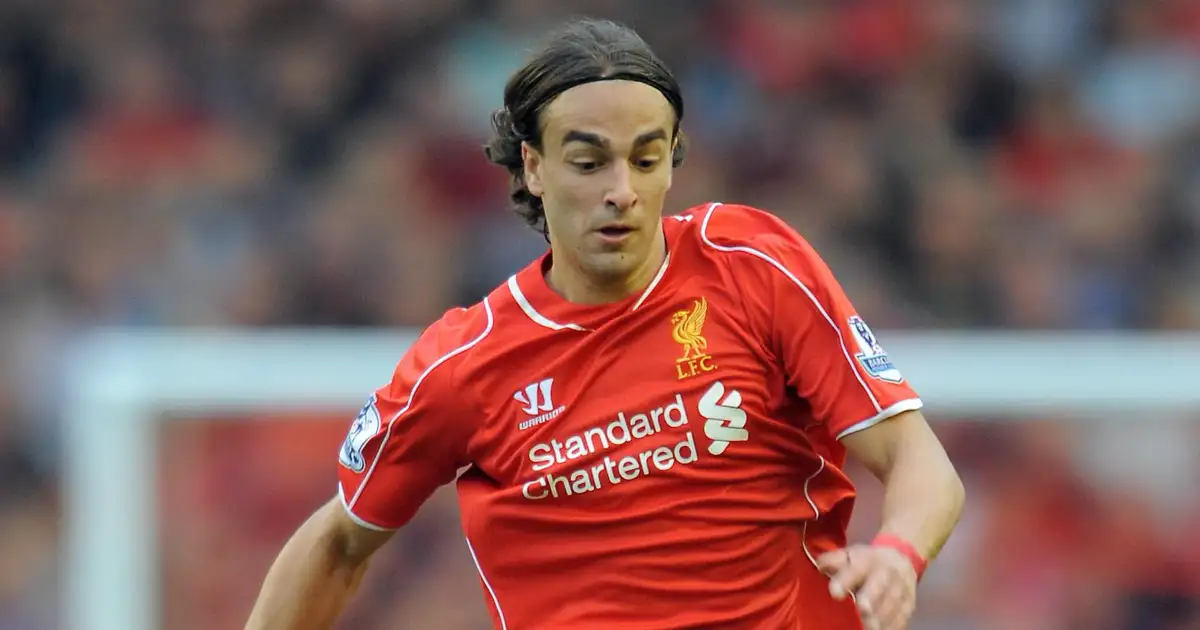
{"x":688,"y":331}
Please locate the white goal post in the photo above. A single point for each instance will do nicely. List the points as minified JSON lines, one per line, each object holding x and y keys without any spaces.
{"x":122,"y":383}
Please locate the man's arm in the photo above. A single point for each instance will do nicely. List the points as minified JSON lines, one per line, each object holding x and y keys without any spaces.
{"x":410,"y":438}
{"x":317,"y":572}
{"x":833,"y":361}
{"x":923,"y":494}
{"x":923,"y":499}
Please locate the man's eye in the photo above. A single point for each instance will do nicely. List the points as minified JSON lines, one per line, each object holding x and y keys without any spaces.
{"x":647,"y":164}
{"x":587,"y":166}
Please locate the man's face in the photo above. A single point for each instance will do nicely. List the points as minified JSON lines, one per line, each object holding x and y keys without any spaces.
{"x":603,"y":173}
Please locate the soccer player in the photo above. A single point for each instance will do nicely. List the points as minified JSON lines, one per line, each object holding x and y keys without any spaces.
{"x":648,"y":425}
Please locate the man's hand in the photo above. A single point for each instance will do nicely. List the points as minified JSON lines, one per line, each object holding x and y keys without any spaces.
{"x":882,"y":581}
{"x":922,"y":501}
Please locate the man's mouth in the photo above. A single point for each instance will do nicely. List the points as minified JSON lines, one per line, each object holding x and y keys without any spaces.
{"x":615,"y":231}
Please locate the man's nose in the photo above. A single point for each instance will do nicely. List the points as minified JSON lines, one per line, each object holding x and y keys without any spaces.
{"x":621,"y":193}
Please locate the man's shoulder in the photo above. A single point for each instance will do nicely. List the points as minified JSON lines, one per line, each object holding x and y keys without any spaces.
{"x":491,"y":313}
{"x":462,"y":322}
{"x":500,"y":317}
{"x":727,"y":228}
{"x":458,"y":331}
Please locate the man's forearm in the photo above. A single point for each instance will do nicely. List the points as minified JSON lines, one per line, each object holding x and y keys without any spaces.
{"x":923,"y":497}
{"x":309,"y":583}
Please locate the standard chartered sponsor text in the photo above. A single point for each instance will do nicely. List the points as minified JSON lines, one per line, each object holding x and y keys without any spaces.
{"x":610,"y":471}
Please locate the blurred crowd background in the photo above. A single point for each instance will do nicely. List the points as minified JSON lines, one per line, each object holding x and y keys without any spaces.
{"x":1017,"y":164}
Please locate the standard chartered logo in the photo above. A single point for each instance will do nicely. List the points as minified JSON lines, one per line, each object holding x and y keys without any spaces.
{"x":724,"y":423}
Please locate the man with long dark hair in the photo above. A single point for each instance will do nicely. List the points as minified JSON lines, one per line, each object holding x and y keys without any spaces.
{"x":648,"y":424}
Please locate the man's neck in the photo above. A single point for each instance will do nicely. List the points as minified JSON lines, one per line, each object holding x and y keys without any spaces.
{"x":577,"y":286}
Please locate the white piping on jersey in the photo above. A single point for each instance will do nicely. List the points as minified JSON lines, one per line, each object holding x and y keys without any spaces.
{"x":538,"y":318}
{"x":662,"y":271}
{"x":816,"y":515}
{"x":908,"y":404}
{"x":515,"y":288}
{"x":778,"y":265}
{"x":356,"y":518}
{"x":486,"y":583}
{"x":412,"y":396}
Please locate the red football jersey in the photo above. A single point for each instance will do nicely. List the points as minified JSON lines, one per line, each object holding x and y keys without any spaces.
{"x":668,"y":461}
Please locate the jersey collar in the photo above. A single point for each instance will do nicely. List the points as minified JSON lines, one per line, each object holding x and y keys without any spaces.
{"x":545,"y":307}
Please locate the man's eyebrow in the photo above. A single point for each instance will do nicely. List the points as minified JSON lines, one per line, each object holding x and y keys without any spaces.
{"x":601,"y":143}
{"x":586,"y":138}
{"x":650,"y":136}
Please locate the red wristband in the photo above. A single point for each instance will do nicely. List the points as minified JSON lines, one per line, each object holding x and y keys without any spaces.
{"x":904,"y":547}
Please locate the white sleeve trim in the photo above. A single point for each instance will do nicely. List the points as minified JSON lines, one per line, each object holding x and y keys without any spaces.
{"x":911,"y":404}
{"x":358,"y":519}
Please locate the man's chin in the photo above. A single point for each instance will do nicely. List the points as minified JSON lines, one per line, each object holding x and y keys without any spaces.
{"x":612,"y":264}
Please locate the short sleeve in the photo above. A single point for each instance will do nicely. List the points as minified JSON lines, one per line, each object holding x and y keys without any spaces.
{"x":831,"y":357}
{"x":411,"y":436}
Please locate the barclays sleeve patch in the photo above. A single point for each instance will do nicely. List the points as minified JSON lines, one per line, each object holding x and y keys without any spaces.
{"x":871,"y":355}
{"x":365,"y":426}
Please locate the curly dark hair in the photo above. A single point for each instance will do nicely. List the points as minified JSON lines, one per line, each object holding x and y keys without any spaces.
{"x":583,"y":51}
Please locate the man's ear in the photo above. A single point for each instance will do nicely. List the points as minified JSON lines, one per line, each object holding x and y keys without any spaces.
{"x":532,"y":160}
{"x":678,"y":148}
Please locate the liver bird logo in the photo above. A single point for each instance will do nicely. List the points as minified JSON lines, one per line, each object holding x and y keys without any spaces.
{"x":688,"y":329}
